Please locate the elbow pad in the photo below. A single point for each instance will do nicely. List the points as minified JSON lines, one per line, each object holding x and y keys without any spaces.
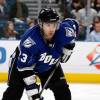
{"x":67,"y":51}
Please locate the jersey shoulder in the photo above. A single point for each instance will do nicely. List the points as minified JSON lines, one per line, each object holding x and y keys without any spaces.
{"x":30,"y":36}
{"x":67,"y":29}
{"x":64,"y":34}
{"x":30,"y":32}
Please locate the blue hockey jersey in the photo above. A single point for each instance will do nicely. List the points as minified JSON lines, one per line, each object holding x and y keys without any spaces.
{"x":36,"y":54}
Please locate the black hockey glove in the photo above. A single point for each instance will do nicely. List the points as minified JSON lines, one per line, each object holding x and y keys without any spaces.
{"x":67,"y":51}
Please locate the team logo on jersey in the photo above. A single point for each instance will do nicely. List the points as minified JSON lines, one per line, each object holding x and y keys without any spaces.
{"x":28,"y":43}
{"x":94,"y":57}
{"x":70,"y":32}
{"x":48,"y":59}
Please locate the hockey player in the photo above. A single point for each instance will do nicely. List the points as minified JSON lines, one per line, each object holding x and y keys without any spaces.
{"x":39,"y":52}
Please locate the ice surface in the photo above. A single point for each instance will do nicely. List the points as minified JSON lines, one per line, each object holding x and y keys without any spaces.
{"x":79,"y":92}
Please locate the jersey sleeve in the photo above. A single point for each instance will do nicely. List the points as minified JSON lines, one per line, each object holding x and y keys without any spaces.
{"x":64,"y":36}
{"x":28,"y":55}
{"x":67,"y":32}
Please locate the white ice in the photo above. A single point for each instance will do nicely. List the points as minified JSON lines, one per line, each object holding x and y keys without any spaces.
{"x":79,"y":92}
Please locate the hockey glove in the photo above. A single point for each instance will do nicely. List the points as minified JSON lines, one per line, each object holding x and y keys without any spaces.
{"x":32,"y":89}
{"x":67,"y":51}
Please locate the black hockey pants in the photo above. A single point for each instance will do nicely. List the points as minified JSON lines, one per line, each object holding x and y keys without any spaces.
{"x":57,"y":84}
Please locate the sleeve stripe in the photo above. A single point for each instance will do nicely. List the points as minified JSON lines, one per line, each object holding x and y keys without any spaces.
{"x":26,"y":68}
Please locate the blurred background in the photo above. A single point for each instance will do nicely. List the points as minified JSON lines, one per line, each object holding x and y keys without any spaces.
{"x":18,"y":15}
{"x":83,"y":68}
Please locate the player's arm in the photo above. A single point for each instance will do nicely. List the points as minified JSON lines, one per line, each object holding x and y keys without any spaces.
{"x":25,"y":65}
{"x":70,"y":30}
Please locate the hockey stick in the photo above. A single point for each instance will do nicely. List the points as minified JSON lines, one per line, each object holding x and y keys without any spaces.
{"x":50,"y":76}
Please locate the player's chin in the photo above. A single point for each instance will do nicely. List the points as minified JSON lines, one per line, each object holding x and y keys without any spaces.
{"x":51,"y":36}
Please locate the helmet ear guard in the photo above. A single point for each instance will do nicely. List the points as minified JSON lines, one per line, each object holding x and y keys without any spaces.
{"x":40,"y":24}
{"x":58,"y":25}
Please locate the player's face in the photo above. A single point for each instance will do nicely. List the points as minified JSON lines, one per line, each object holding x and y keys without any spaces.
{"x":49,"y":30}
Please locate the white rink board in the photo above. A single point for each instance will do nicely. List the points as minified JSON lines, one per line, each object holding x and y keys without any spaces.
{"x":9,"y":47}
{"x":78,"y":63}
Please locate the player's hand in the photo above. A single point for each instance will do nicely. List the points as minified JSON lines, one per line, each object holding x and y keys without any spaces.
{"x":67,"y":51}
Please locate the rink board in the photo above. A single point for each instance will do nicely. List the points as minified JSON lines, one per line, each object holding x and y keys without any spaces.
{"x":82,"y":67}
{"x":71,"y":78}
